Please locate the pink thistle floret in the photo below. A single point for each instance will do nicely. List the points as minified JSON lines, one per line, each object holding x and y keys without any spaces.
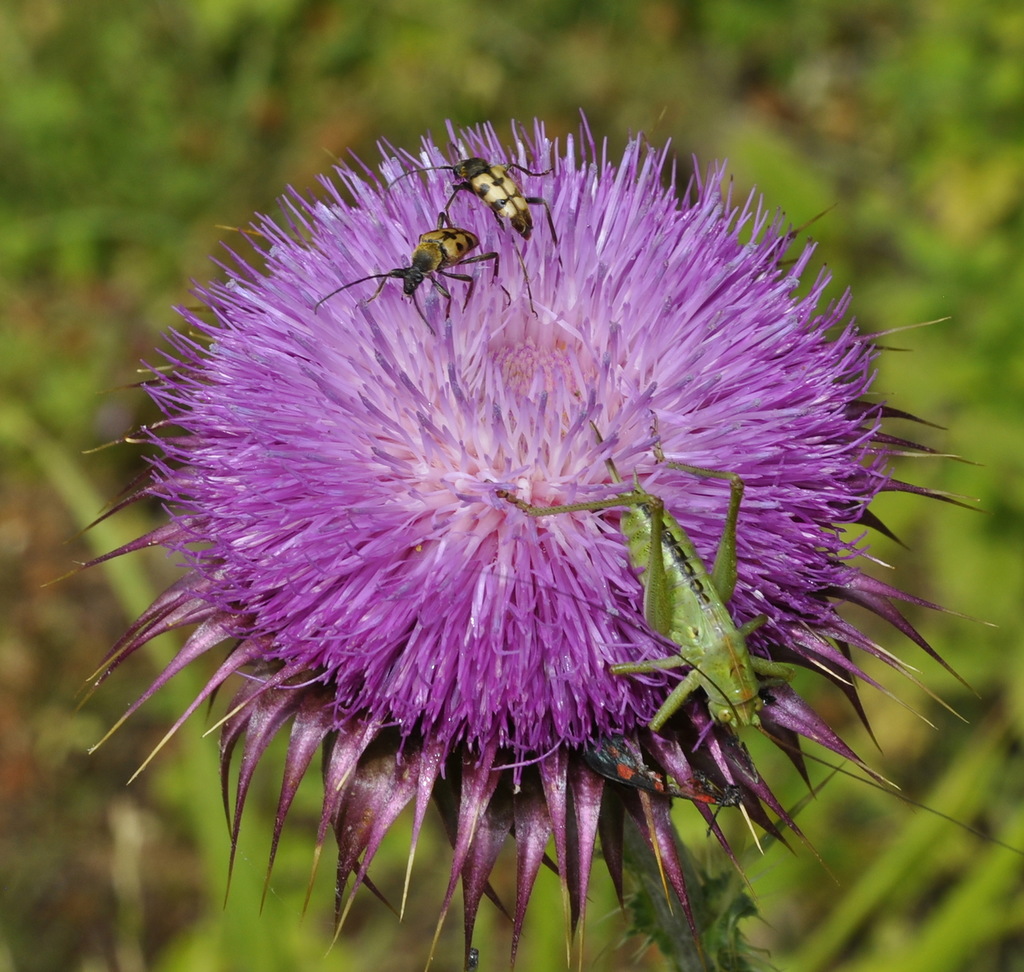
{"x":336,"y":492}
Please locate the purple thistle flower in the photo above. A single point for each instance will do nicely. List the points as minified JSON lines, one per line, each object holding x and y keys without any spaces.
{"x":335,"y":493}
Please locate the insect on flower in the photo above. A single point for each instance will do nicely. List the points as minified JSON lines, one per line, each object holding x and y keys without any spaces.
{"x":686,"y":603}
{"x":437,"y":250}
{"x":492,"y":183}
{"x":618,"y":760}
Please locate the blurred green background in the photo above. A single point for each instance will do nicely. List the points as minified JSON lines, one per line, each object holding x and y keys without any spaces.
{"x":128,"y":132}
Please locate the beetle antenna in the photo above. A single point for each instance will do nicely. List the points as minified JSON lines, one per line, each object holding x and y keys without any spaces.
{"x":422,"y":168}
{"x":338,"y":290}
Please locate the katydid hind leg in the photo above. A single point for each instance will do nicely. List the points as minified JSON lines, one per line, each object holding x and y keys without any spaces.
{"x":658,"y":607}
{"x":724,"y":570}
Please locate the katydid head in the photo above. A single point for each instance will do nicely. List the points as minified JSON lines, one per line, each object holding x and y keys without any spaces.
{"x":738,"y":714}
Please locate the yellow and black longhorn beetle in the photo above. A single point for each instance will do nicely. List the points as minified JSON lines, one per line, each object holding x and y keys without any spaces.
{"x":437,"y":250}
{"x":492,"y":183}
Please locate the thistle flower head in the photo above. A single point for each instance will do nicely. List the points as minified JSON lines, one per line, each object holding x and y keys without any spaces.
{"x":339,"y":492}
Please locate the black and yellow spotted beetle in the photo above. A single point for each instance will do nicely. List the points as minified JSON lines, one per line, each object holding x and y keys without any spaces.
{"x":492,"y":183}
{"x":437,"y":250}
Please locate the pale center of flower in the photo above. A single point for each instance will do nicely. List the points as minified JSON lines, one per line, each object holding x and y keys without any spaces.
{"x":528,"y":369}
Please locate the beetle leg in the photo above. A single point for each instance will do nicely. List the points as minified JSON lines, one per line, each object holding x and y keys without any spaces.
{"x":539,"y":201}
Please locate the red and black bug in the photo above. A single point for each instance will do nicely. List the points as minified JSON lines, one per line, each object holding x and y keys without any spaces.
{"x":618,"y":760}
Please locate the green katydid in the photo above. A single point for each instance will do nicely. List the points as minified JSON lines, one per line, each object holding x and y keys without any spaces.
{"x":684,"y":602}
